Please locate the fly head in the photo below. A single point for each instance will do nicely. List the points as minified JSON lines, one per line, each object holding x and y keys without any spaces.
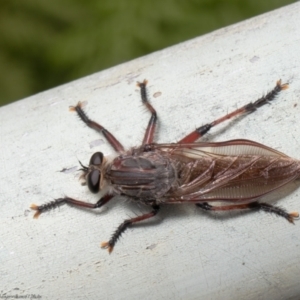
{"x":92,"y":173}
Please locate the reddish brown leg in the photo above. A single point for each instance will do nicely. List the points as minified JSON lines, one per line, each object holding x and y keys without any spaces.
{"x":253,"y":205}
{"x":111,"y":243}
{"x":249,"y":108}
{"x":57,"y":202}
{"x":110,"y":138}
{"x":149,"y":134}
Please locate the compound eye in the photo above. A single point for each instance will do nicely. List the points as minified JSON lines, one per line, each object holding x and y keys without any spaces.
{"x":93,"y":181}
{"x":96,"y":159}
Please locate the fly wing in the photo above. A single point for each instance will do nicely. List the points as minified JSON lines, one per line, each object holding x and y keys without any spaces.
{"x":235,"y":191}
{"x":227,"y":148}
{"x":236,"y":170}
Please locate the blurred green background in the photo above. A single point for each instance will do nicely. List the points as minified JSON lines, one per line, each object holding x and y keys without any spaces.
{"x":45,"y":43}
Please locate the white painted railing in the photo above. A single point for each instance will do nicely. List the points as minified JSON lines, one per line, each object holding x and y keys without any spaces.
{"x":185,"y":253}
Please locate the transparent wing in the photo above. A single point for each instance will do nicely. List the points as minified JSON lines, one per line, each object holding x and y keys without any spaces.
{"x":236,"y":170}
{"x":227,"y":148}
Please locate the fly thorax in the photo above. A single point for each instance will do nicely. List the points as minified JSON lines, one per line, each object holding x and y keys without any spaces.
{"x":147,"y":175}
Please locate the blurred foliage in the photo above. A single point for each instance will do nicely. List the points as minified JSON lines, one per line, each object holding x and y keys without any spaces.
{"x":46,"y":43}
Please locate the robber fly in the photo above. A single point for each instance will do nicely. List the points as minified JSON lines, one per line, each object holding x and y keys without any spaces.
{"x":236,"y":173}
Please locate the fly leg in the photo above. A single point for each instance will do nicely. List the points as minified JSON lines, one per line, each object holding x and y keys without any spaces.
{"x":60,"y":201}
{"x":96,"y":126}
{"x":255,"y":206}
{"x":111,"y":243}
{"x":149,"y":134}
{"x":248,"y":108}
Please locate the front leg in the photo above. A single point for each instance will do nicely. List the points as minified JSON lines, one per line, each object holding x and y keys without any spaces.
{"x":60,"y":201}
{"x":96,"y":126}
{"x":122,"y":227}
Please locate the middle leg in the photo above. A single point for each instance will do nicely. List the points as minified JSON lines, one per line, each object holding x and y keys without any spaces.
{"x":149,"y":134}
{"x":111,"y":243}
